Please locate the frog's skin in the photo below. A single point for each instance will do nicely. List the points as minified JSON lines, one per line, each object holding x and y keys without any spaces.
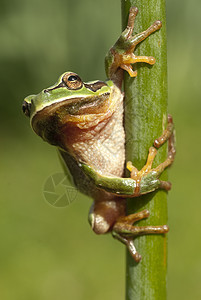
{"x":85,"y":122}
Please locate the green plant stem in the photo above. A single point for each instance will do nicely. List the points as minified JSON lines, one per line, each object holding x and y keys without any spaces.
{"x":145,"y":120}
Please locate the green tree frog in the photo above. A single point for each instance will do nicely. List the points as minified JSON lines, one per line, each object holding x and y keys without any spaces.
{"x":85,"y":122}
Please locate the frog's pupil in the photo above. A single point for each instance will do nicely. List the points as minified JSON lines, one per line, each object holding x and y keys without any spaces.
{"x":72,"y":78}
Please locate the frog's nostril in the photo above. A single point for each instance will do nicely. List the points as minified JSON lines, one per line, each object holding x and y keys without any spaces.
{"x":26,"y":108}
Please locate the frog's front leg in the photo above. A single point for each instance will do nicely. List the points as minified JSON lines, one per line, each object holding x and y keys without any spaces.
{"x":121,"y":54}
{"x":145,"y":177}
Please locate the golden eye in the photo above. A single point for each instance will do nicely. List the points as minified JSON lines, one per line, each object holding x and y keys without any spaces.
{"x":72,"y":81}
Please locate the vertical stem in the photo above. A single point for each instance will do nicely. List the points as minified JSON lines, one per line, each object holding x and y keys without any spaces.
{"x":145,"y":119}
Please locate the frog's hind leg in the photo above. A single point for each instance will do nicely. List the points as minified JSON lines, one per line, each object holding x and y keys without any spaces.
{"x":125,"y":231}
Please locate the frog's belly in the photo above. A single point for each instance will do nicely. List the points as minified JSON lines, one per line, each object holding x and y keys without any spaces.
{"x":104,"y":157}
{"x":105,"y":152}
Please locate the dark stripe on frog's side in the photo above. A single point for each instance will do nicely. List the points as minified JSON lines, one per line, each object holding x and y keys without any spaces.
{"x":62,"y":84}
{"x":95,"y":86}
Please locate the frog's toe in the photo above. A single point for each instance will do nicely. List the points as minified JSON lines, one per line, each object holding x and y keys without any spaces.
{"x":165,"y":185}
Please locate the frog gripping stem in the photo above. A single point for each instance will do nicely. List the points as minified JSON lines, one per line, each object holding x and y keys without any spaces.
{"x":147,"y":171}
{"x":131,"y":58}
{"x":121,"y":54}
{"x":123,"y":229}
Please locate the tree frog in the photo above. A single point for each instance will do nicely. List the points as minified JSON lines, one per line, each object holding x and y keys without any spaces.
{"x":85,"y":122}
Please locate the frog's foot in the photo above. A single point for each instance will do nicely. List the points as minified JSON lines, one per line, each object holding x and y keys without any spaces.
{"x":129,"y":57}
{"x":122,"y":51}
{"x":147,"y":179}
{"x":125,"y":231}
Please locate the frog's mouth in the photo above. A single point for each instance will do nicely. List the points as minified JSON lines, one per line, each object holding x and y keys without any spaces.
{"x":83,"y":112}
{"x":81,"y":105}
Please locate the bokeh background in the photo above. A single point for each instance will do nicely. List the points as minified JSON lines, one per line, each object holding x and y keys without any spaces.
{"x":51,"y":253}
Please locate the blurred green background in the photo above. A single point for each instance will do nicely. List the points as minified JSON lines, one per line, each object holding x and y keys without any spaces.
{"x":51,"y":253}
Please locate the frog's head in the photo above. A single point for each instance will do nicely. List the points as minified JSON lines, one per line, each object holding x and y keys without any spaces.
{"x":70,"y":101}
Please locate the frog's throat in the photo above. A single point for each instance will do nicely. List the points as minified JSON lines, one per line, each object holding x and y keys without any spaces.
{"x":103,"y":112}
{"x":90,"y":120}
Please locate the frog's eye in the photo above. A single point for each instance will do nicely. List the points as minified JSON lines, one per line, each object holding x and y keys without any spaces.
{"x":72,"y":81}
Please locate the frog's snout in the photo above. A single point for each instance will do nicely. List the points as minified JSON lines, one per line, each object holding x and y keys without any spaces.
{"x":26,"y":108}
